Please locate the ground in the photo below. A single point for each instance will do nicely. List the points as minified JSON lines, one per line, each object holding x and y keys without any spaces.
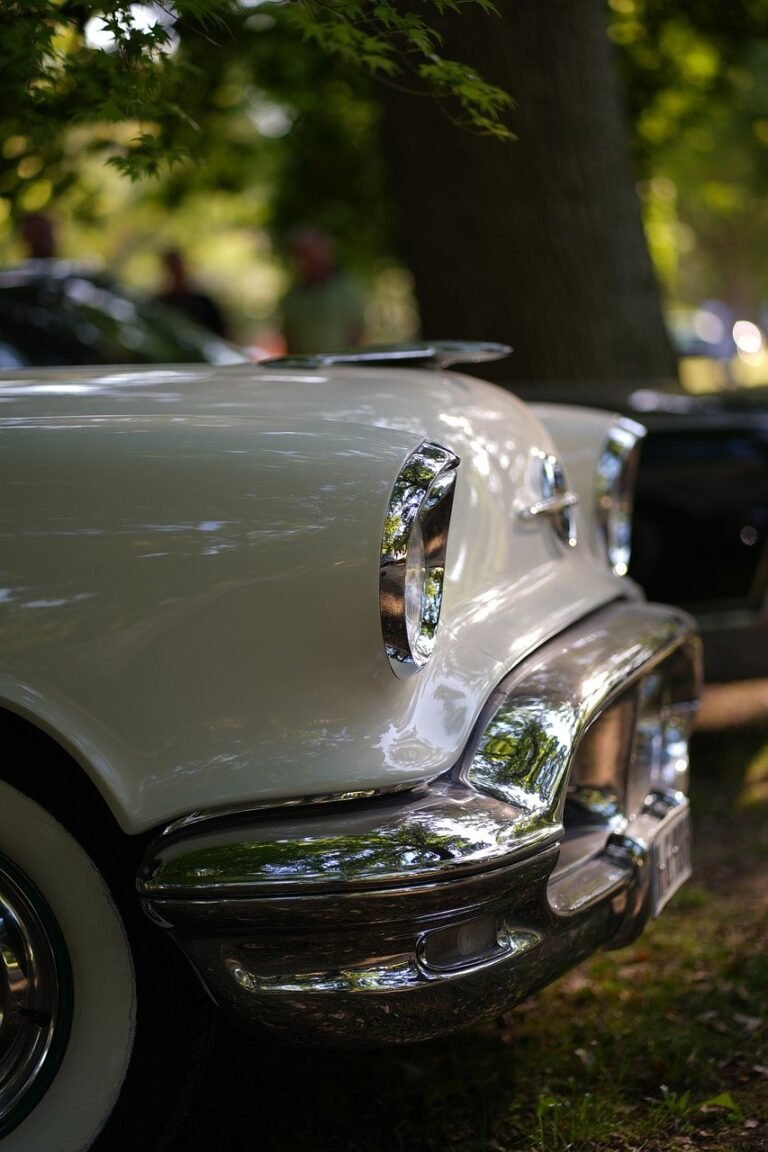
{"x":660,"y":1046}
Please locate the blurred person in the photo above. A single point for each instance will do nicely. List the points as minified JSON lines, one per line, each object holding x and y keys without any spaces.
{"x":324,"y":309}
{"x":38,"y":236}
{"x":180,"y":291}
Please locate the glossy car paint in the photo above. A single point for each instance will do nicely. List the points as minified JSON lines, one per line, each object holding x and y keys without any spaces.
{"x":573,"y":429}
{"x":701,"y":508}
{"x":190,"y":567}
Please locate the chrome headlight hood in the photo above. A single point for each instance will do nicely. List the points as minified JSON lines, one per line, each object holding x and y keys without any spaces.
{"x":413,"y":552}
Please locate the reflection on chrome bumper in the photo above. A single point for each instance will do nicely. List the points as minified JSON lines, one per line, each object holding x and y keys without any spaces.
{"x":562,"y":828}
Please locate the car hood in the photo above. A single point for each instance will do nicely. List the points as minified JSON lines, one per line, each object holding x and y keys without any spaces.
{"x":402,"y":400}
{"x":192,"y":562}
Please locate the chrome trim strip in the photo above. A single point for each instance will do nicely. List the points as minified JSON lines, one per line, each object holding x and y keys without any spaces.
{"x":552,"y":507}
{"x":425,"y":354}
{"x":502,"y":802}
{"x":413,"y":549}
{"x":449,"y":830}
{"x":400,"y":973}
{"x":367,"y":905}
{"x":202,"y":815}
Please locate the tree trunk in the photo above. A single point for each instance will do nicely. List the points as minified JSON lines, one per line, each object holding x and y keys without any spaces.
{"x":538,"y":242}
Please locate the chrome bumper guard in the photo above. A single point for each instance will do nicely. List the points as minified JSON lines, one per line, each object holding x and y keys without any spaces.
{"x":563,"y":827}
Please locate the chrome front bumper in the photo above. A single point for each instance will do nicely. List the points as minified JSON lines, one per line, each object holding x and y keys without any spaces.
{"x":560,"y":830}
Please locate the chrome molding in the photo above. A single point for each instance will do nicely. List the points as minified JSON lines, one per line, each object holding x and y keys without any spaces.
{"x":504,"y":799}
{"x":535,"y":721}
{"x":557,"y":502}
{"x":414,"y":838}
{"x":551,"y":507}
{"x":614,"y":491}
{"x":390,"y":919}
{"x":413,"y":549}
{"x":203,"y":815}
{"x":426,"y":354}
{"x":399,"y":973}
{"x":593,"y":881}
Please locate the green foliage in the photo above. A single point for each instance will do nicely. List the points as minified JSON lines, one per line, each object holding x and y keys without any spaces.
{"x":52,"y":77}
{"x":286,"y":124}
{"x":678,"y":56}
{"x":274,"y":106}
{"x":145,"y":77}
{"x":695,"y":76}
{"x":399,"y":46}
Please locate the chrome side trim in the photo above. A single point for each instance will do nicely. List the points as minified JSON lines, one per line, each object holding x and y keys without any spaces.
{"x":503,"y":801}
{"x":202,"y":815}
{"x":426,"y":354}
{"x":413,"y":548}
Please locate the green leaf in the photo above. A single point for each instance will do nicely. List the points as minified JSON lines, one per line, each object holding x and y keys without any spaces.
{"x":725,"y":1101}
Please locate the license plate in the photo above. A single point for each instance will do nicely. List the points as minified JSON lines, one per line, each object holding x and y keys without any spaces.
{"x":671,"y":857}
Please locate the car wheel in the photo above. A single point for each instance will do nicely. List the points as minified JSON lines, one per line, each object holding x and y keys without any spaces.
{"x":100,"y":1036}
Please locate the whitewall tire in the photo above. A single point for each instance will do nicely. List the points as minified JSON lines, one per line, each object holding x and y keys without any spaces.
{"x":71,"y":998}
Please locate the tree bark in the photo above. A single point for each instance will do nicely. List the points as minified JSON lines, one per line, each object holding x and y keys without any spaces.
{"x":537,"y":242}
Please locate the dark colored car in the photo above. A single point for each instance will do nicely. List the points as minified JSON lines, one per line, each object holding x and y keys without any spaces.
{"x":701,"y":533}
{"x":57,"y":313}
{"x":700,"y":527}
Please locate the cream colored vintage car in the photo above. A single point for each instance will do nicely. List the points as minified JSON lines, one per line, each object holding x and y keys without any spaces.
{"x":323,"y":681}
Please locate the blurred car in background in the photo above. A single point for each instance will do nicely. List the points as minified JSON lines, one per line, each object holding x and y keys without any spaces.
{"x":702,"y":506}
{"x":701,"y":519}
{"x":700,"y":527}
{"x":53,"y":312}
{"x":717,"y":349}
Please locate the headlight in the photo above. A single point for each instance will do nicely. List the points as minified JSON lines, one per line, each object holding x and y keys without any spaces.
{"x":616,"y":471}
{"x":413,"y":556}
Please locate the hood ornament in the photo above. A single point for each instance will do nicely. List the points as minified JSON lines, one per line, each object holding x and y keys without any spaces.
{"x":436,"y":354}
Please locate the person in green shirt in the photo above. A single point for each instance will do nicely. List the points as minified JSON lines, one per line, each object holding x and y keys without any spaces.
{"x":324,"y":309}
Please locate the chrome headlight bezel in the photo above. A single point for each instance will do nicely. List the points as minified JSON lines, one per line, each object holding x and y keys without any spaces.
{"x":614,"y":492}
{"x":413,"y":548}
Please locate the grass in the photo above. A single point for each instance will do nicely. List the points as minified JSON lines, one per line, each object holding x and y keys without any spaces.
{"x":663,"y":1045}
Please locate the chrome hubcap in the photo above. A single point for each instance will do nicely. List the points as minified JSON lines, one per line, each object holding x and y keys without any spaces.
{"x":34,"y":987}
